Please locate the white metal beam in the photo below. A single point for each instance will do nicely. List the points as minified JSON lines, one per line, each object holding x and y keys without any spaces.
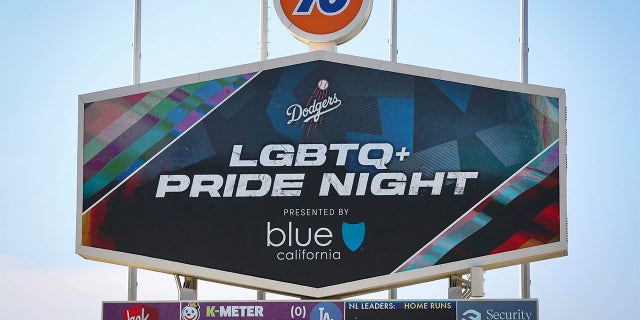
{"x":132,"y":287}
{"x":525,"y":269}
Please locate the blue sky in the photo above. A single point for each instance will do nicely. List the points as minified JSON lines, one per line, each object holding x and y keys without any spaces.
{"x":54,"y":51}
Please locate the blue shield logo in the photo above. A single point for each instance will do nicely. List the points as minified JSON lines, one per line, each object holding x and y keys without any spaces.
{"x":353,"y":235}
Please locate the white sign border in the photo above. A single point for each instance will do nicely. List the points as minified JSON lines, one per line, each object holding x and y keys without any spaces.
{"x":347,"y":289}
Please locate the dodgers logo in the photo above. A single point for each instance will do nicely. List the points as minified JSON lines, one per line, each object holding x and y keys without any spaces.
{"x":323,"y":20}
{"x":320,"y":103}
{"x":326,"y":311}
{"x":353,"y":235}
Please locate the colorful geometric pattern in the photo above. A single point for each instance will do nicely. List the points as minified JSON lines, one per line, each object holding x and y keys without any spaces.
{"x":121,"y":134}
{"x":539,"y":176}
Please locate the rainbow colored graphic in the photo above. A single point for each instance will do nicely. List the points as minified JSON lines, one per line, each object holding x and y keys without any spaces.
{"x":121,"y":134}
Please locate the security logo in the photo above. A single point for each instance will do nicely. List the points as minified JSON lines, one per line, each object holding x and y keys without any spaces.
{"x":471,"y":315}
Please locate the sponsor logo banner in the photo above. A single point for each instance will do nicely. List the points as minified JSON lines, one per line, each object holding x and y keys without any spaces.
{"x":497,"y":310}
{"x":140,"y":310}
{"x":325,"y":310}
{"x":226,"y":310}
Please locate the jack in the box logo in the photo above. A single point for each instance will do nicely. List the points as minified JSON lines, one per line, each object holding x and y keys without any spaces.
{"x":190,"y":312}
{"x":140,"y":312}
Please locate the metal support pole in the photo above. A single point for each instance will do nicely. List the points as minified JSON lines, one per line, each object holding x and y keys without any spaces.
{"x":137,"y":54}
{"x":393,"y":294}
{"x":324,"y":46}
{"x":476,"y":276}
{"x":188,"y":290}
{"x":525,"y":281}
{"x":264,"y":27}
{"x":132,"y":287}
{"x":393,"y":57}
{"x":455,"y":287}
{"x":525,"y":269}
{"x":393,"y":30}
{"x":263,"y":55}
{"x":524,"y":41}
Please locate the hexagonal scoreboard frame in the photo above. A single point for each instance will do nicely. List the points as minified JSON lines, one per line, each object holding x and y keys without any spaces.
{"x":418,"y":221}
